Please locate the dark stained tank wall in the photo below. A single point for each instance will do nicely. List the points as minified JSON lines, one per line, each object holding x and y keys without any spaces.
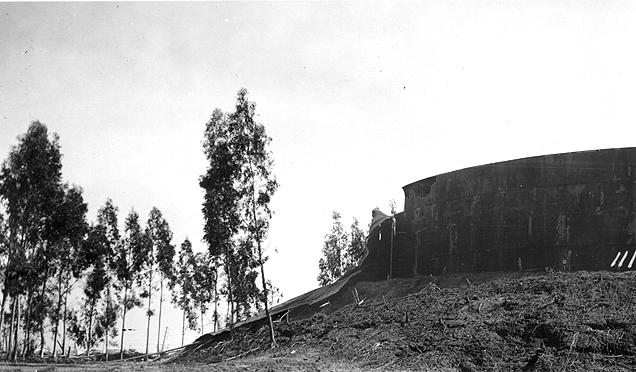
{"x":573,"y":211}
{"x":389,"y":236}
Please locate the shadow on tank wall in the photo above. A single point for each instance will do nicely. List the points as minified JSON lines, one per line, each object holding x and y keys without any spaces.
{"x":571,"y":211}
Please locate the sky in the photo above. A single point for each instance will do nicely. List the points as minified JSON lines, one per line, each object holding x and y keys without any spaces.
{"x":359,"y":98}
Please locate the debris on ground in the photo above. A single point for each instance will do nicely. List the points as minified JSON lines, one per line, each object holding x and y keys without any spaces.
{"x":473,"y":322}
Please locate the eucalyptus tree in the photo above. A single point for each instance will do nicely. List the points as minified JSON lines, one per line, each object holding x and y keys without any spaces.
{"x":238,"y":187}
{"x":221,"y":216}
{"x":94,"y":254}
{"x":108,"y":226}
{"x":341,"y":250}
{"x":331,"y":265}
{"x":258,"y":186}
{"x":203,"y":279}
{"x":163,"y":253}
{"x":182,"y":286}
{"x":72,"y":226}
{"x":30,"y":189}
{"x":130,"y":259}
{"x":357,"y":244}
{"x":148,"y":283}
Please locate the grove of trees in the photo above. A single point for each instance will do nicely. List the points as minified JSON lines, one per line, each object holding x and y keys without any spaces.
{"x":48,"y":250}
{"x":64,"y":279}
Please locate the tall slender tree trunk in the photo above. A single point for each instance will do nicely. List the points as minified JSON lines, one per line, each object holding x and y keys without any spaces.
{"x":183,"y":327}
{"x":148,"y":313}
{"x":202,"y":325}
{"x":107,"y":320}
{"x":66,"y":290}
{"x":17,"y":326}
{"x":18,"y":307}
{"x":5,"y":294}
{"x":216,"y":301}
{"x":3,"y":345}
{"x":27,"y":328}
{"x":230,"y":299}
{"x":227,"y":316}
{"x":10,"y":335}
{"x":160,"y":306}
{"x":123,"y":323}
{"x":272,"y":336}
{"x":5,"y":291}
{"x":42,"y":297}
{"x":57,"y":315}
{"x":64,"y":325}
{"x":90,"y":329}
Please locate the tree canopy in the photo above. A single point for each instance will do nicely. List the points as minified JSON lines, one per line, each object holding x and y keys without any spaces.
{"x":49,"y":252}
{"x":238,"y":186}
{"x":47,"y":247}
{"x":341,"y":250}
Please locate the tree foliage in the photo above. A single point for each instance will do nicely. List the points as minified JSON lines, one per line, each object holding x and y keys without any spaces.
{"x":342,"y":250}
{"x":238,"y":186}
{"x":331,"y":265}
{"x":129,"y":261}
{"x":68,"y":263}
{"x":183,"y":286}
{"x":357,"y":244}
{"x":161,"y":256}
{"x":32,"y":192}
{"x":47,"y":246}
{"x":203,"y":283}
{"x":101,"y":294}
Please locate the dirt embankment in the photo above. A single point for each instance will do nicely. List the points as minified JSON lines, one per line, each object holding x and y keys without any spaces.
{"x":494,"y":322}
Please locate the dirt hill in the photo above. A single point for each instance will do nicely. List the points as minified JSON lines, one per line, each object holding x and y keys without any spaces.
{"x":478,"y":322}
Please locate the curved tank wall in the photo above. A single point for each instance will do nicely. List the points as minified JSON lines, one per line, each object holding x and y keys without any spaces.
{"x":571,"y":211}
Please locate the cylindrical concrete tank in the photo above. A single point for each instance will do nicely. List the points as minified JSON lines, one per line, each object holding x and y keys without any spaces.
{"x":572,"y":211}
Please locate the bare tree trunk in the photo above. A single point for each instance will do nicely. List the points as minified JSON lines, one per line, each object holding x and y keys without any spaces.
{"x":149,"y":312}
{"x":5,"y":291}
{"x":90,"y":329}
{"x":160,"y":306}
{"x":272,"y":336}
{"x":57,"y":315}
{"x":165,"y":334}
{"x":107,"y":321}
{"x":123,"y":324}
{"x":27,"y":330}
{"x":230,"y":299}
{"x":5,"y":294}
{"x":183,"y":327}
{"x":17,"y":326}
{"x":10,"y":335}
{"x":66,"y":290}
{"x":202,"y":325}
{"x":42,"y":296}
{"x":3,"y":342}
{"x":216,"y":301}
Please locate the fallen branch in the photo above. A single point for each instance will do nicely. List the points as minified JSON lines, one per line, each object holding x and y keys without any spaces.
{"x":242,"y":354}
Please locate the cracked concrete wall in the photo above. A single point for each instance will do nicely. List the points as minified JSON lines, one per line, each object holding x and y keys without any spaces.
{"x":572,"y":211}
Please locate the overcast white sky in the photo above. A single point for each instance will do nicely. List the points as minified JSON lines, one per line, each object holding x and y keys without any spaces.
{"x":359,"y":98}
